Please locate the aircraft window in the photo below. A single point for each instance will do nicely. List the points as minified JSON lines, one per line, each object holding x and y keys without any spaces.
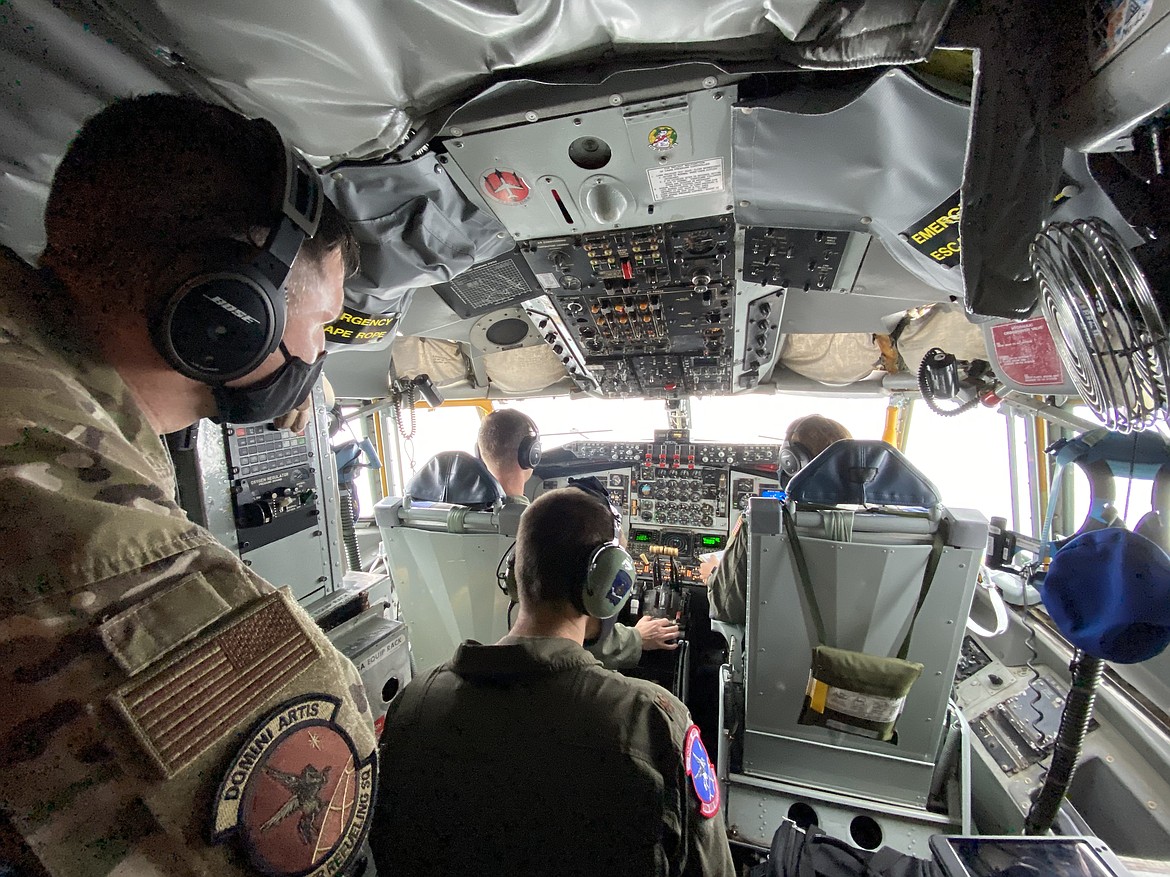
{"x":744,"y":418}
{"x":740,"y":419}
{"x":1133,"y":495}
{"x":448,"y":428}
{"x":967,"y":459}
{"x":562,"y":420}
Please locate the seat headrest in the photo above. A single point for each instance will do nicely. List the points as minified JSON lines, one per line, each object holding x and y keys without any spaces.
{"x":862,"y":472}
{"x":456,"y":477}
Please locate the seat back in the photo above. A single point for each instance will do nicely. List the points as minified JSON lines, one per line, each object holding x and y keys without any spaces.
{"x":444,"y":542}
{"x":867,"y":584}
{"x":455,"y":477}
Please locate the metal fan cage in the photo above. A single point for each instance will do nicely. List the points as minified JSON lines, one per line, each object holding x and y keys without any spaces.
{"x":1097,"y":302}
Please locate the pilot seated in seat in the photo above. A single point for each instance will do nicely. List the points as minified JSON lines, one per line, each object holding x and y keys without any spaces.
{"x":509,"y":445}
{"x":527,"y":757}
{"x":805,"y":438}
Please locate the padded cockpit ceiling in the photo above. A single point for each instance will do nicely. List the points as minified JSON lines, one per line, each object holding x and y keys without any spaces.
{"x":351,"y":78}
{"x":525,"y":370}
{"x":836,"y":359}
{"x":885,"y":160}
{"x":947,"y":329}
{"x":440,"y":360}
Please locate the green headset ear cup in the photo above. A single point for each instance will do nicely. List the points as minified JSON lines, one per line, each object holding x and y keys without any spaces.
{"x":609,"y":581}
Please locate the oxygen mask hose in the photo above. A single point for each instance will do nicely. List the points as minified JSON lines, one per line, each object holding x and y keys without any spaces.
{"x":353,"y":556}
{"x":1074,"y":725}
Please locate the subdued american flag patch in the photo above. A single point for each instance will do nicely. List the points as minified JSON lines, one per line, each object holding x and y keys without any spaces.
{"x":178,"y":711}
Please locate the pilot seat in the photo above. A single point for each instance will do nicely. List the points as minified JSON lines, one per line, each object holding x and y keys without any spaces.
{"x":446,"y":539}
{"x":865,"y":520}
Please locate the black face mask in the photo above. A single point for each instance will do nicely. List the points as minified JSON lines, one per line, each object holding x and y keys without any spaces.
{"x":283,"y":391}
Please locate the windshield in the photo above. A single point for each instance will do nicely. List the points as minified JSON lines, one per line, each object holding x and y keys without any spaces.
{"x":966,"y":457}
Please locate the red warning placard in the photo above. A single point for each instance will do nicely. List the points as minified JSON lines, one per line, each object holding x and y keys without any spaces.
{"x":1026,"y":354}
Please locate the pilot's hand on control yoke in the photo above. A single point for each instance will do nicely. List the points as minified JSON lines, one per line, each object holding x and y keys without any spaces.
{"x":657,"y":633}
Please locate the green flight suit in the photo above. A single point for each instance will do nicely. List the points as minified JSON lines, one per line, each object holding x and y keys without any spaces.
{"x":140,"y":655}
{"x":529,"y":758}
{"x":619,"y":650}
{"x":727,"y":589}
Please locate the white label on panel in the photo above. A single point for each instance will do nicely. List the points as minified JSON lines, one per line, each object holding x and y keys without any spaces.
{"x":683,"y":180}
{"x":548,"y":281}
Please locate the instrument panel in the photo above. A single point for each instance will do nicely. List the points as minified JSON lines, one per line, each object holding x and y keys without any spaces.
{"x":679,"y":499}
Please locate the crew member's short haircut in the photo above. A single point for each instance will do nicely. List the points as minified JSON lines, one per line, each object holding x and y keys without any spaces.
{"x":149,"y":178}
{"x":557,"y":535}
{"x":500,"y":434}
{"x":816,"y":432}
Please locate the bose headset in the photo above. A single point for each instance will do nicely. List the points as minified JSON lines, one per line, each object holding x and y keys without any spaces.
{"x":221,"y":322}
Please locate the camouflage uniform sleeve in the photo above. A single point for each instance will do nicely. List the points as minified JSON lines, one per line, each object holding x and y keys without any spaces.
{"x":114,"y":760}
{"x":728,"y":585}
{"x":698,"y":844}
{"x":620,"y":650}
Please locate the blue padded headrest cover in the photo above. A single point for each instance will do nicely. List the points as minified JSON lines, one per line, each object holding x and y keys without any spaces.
{"x":862,"y":472}
{"x":1108,"y":592}
{"x":456,"y":477}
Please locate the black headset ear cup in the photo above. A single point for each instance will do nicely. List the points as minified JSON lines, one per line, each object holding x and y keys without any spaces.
{"x":528,"y":451}
{"x":222,"y":317}
{"x":793,"y":457}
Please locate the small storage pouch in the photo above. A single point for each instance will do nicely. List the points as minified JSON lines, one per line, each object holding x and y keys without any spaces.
{"x":852,"y":691}
{"x":857,"y":693}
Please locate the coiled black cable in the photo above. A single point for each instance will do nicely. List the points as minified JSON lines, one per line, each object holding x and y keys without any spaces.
{"x":928,"y":394}
{"x":1074,"y":725}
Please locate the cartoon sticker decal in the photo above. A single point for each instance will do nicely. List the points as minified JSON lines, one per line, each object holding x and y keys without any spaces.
{"x":296,"y":795}
{"x":663,"y":137}
{"x":701,"y":772}
{"x":506,"y":186}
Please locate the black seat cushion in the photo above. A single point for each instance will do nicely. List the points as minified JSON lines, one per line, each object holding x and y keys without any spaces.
{"x":456,"y":477}
{"x":862,"y":472}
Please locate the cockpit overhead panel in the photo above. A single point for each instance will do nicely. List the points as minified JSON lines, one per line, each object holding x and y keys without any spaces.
{"x":652,"y":308}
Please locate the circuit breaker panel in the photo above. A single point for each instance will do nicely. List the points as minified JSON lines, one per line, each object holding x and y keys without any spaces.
{"x":268,"y":494}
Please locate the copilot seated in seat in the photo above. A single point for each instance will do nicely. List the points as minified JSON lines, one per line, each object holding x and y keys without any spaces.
{"x":527,"y":757}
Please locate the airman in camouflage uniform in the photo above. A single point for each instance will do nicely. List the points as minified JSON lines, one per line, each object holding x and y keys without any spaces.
{"x":527,"y":757}
{"x":166,"y":711}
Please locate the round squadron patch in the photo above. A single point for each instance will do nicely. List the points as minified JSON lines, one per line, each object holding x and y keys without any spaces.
{"x":505,"y":186}
{"x":701,"y":772}
{"x":296,"y":795}
{"x":663,"y":137}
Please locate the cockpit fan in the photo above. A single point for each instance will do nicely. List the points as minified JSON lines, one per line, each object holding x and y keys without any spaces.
{"x":1096,"y":298}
